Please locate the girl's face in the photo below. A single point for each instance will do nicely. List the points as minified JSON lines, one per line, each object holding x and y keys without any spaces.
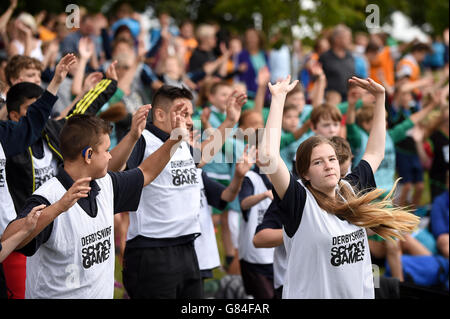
{"x":324,"y":171}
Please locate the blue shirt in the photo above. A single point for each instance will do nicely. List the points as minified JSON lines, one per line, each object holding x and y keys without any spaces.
{"x":440,"y":215}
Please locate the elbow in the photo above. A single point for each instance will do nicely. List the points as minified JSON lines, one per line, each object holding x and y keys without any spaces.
{"x":257,"y":242}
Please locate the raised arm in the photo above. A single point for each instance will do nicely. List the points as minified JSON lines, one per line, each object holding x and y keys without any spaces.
{"x":152,"y":166}
{"x":122,"y":151}
{"x":269,"y":149}
{"x":243,"y":165}
{"x":215,"y":141}
{"x":318,"y":93}
{"x":85,"y":49}
{"x":374,"y":153}
{"x":17,"y":137}
{"x":262,"y":80}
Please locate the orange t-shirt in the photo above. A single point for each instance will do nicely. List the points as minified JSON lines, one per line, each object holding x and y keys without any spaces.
{"x":385,"y":64}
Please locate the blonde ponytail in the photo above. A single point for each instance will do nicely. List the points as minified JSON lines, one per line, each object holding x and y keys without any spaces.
{"x":368,"y":211}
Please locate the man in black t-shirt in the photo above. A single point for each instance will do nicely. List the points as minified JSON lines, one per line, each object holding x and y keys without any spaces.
{"x":338,"y":62}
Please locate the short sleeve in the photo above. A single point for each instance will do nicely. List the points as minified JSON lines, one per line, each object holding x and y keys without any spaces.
{"x":362,"y":177}
{"x":247,"y":190}
{"x":31,"y":248}
{"x":291,"y":206}
{"x":127,"y":187}
{"x":213,"y":192}
{"x":271,"y":219}
{"x":137,"y":155}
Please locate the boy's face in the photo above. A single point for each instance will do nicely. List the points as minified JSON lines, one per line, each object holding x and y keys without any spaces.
{"x":290,"y":120}
{"x":187,"y":115}
{"x":345,"y":166}
{"x":101,"y":157}
{"x":297,"y":99}
{"x":327,"y":127}
{"x":14,"y":116}
{"x":28,"y":75}
{"x":219,"y":98}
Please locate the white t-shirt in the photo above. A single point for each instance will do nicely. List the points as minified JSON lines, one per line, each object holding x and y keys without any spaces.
{"x":247,"y":251}
{"x":170,"y":204}
{"x":77,"y":261}
{"x":326,"y":257}
{"x":44,"y":168}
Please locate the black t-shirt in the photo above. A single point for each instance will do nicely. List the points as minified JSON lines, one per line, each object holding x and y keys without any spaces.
{"x":213,"y":192}
{"x":247,"y":189}
{"x":127,"y":188}
{"x":338,"y":71}
{"x":291,"y":207}
{"x":438,"y":143}
{"x":199,"y":58}
{"x":271,"y":219}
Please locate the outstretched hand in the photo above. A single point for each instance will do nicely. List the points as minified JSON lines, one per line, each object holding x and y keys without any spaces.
{"x":369,"y":85}
{"x":139,"y":121}
{"x":63,"y":67}
{"x":282,"y":87}
{"x":79,"y":189}
{"x":246,"y":161}
{"x":111,"y":72}
{"x":234,"y":105}
{"x":178,"y":122}
{"x":32,"y":218}
{"x":86,"y":48}
{"x":91,"y":81}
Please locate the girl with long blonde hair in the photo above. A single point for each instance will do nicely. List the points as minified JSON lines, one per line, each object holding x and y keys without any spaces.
{"x":325,"y":218}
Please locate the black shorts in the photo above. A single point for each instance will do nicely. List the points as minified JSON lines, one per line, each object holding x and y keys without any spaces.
{"x":162,"y":272}
{"x":256,"y":284}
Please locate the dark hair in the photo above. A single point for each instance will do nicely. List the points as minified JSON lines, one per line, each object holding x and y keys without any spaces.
{"x":372,"y":47}
{"x":19,"y":62}
{"x":166,"y":94}
{"x":19,"y":92}
{"x":342,"y":148}
{"x":81,"y":131}
{"x":421,"y":47}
